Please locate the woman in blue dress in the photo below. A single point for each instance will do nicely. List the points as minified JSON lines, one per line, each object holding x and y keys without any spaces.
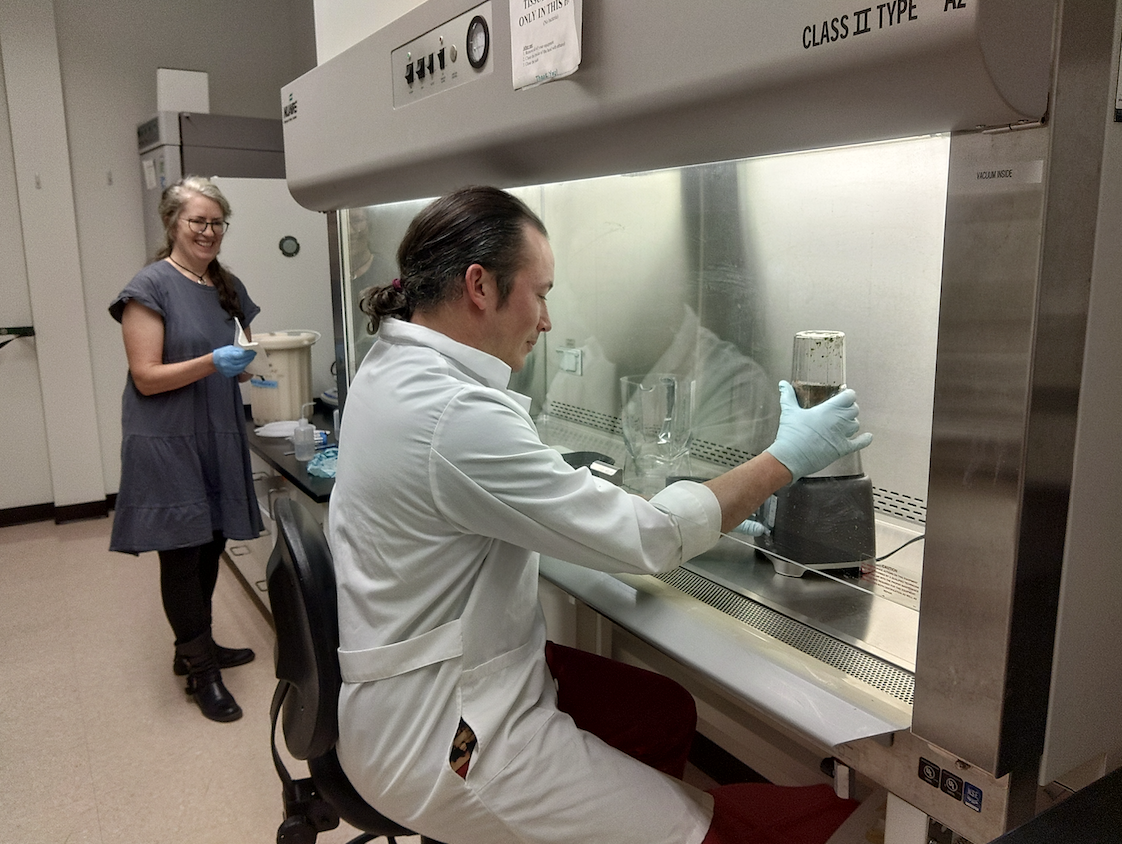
{"x":186,"y":483}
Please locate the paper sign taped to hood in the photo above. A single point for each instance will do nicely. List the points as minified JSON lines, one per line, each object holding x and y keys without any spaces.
{"x":544,"y":40}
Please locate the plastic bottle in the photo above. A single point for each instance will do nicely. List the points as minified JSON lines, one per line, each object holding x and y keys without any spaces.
{"x":304,"y":437}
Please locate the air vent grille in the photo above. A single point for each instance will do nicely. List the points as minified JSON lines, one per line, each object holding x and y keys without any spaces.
{"x":888,"y":678}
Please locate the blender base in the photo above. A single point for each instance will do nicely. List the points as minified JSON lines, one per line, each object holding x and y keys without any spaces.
{"x":791,"y":569}
{"x":823,"y":523}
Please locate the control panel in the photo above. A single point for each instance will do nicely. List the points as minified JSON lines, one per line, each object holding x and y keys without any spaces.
{"x":448,"y":55}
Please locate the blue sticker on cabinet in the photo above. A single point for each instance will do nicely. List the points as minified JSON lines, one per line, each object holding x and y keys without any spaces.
{"x":972,"y":796}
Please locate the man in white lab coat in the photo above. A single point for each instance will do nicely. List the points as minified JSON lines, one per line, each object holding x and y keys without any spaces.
{"x":444,"y":495}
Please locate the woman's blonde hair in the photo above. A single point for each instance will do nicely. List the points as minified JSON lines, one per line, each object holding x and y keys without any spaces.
{"x":172,"y":200}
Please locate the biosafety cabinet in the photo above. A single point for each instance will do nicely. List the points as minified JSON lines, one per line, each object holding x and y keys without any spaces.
{"x":936,"y":180}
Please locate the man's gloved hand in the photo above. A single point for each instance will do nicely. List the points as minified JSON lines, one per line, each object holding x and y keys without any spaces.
{"x":232,"y":360}
{"x":810,"y":439}
{"x":750,"y":527}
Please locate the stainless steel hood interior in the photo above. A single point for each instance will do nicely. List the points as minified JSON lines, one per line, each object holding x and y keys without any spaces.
{"x":662,"y":83}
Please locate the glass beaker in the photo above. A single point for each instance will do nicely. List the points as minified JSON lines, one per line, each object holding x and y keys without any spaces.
{"x":657,"y":417}
{"x":818,"y":366}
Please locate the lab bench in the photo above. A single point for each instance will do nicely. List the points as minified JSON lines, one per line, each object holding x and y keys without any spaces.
{"x":277,"y":474}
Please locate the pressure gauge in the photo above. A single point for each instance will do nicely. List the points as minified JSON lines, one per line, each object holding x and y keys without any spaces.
{"x":478,"y":41}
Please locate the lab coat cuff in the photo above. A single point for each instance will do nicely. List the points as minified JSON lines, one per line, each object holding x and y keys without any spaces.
{"x":697,"y":513}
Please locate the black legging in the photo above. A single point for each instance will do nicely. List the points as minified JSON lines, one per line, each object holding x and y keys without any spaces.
{"x":187,"y":579}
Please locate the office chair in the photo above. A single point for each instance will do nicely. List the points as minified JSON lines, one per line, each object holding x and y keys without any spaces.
{"x":301,"y":584}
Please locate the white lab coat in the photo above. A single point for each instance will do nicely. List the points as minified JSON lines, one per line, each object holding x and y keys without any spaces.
{"x":442,"y":486}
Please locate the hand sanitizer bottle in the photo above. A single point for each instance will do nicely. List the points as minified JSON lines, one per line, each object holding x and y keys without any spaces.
{"x":304,"y":437}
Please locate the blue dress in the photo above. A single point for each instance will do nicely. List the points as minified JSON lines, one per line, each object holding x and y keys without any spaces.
{"x":185,"y":469}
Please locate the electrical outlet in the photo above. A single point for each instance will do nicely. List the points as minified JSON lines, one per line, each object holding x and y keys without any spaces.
{"x":571,"y":360}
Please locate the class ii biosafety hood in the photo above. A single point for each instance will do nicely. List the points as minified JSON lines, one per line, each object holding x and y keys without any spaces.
{"x":660,"y":84}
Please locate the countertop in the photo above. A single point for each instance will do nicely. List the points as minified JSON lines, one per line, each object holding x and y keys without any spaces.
{"x":795,"y":689}
{"x":273,"y":450}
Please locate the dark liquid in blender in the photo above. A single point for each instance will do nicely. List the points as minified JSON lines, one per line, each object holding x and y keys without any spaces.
{"x":811,"y":394}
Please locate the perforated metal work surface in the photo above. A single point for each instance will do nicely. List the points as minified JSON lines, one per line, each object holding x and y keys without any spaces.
{"x":856,"y":663}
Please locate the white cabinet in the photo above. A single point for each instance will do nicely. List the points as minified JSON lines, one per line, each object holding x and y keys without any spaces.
{"x":250,"y":558}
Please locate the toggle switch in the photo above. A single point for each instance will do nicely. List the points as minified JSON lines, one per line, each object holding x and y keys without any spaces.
{"x":430,"y":64}
{"x":440,"y":58}
{"x":420,"y":68}
{"x":409,"y":73}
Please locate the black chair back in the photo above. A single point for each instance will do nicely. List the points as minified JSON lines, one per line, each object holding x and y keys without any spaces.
{"x":301,"y":583}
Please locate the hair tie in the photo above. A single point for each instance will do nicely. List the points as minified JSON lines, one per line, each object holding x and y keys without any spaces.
{"x":397,"y":284}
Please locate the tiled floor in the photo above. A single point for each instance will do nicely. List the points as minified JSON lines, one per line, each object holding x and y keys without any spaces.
{"x":98,"y":743}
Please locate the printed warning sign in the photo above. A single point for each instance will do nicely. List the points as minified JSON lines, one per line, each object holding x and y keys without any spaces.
{"x":545,"y":40}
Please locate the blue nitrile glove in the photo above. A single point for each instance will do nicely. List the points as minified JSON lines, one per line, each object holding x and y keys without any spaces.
{"x":811,"y":438}
{"x":232,"y":360}
{"x":751,"y":528}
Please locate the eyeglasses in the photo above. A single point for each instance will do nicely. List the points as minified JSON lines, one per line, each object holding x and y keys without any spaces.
{"x":200,"y":226}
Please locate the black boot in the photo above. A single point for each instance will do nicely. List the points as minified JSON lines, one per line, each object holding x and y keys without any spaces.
{"x":226,"y":658}
{"x":204,"y":680}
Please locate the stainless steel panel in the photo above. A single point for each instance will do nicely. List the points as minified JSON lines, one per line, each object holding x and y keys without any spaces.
{"x":230,"y":131}
{"x":709,"y":271}
{"x":876,"y":625}
{"x":229,"y":145}
{"x":340,"y":313}
{"x":986,"y":321}
{"x":854,"y":661}
{"x":438,"y":60}
{"x":235,"y":163}
{"x":1012,"y":330}
{"x":1084,"y":726}
{"x":160,"y":167}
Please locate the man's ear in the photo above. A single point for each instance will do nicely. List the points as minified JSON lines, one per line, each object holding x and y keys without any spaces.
{"x":479,"y":286}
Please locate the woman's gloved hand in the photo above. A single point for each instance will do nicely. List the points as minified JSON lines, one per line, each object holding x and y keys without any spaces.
{"x":232,"y":360}
{"x":811,"y":438}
